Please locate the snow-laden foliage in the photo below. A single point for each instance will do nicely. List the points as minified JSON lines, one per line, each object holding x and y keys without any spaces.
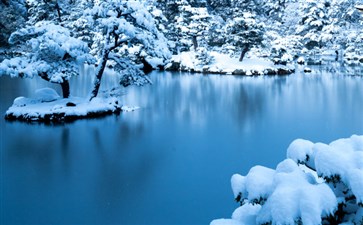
{"x":316,"y":184}
{"x":192,"y":24}
{"x":244,"y":33}
{"x":12,"y":16}
{"x":124,"y":36}
{"x":128,"y":21}
{"x":43,"y":10}
{"x":47,"y":50}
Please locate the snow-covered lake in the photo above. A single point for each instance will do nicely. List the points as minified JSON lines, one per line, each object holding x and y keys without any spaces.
{"x":169,"y":162}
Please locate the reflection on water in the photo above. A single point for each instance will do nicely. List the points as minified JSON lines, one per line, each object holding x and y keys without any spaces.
{"x":169,"y":162}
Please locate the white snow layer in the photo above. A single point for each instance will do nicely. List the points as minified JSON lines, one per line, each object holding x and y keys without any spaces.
{"x":223,"y":63}
{"x":289,"y":193}
{"x":48,"y":102}
{"x":341,"y":159}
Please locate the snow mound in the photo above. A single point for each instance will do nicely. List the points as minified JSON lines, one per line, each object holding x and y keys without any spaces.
{"x":316,"y":184}
{"x":46,"y":95}
{"x":243,"y":215}
{"x":341,"y":160}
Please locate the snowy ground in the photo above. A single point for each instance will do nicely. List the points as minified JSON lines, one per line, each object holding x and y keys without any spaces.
{"x":48,"y":106}
{"x":224,"y":64}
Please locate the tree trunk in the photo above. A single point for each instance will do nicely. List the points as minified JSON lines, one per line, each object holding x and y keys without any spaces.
{"x":99,"y":72}
{"x":64,"y":85}
{"x":65,"y":88}
{"x":58,"y":12}
{"x":195,"y":42}
{"x":147,"y":67}
{"x":243,"y":53}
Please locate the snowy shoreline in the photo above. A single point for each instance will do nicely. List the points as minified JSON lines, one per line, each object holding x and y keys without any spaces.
{"x":224,"y":64}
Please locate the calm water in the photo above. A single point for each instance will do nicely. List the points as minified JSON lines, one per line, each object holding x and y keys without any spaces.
{"x":171,"y":161}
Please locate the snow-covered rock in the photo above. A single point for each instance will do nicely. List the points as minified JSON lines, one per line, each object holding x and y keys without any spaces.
{"x":301,"y":60}
{"x":46,"y":95}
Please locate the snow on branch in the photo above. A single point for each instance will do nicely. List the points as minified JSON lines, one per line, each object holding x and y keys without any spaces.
{"x":50,"y":50}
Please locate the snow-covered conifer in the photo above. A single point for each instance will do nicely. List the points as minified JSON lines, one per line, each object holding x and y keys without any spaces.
{"x":12,"y":16}
{"x":126,"y":38}
{"x":244,"y":32}
{"x":315,"y":17}
{"x":46,"y":50}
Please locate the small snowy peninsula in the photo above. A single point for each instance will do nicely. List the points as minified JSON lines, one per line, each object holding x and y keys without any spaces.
{"x":317,"y":184}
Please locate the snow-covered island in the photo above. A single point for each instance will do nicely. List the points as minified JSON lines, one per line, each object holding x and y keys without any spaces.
{"x":317,"y":184}
{"x":47,"y":106}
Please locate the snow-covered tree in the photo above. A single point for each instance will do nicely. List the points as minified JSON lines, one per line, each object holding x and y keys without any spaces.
{"x":42,"y":10}
{"x":219,"y":3}
{"x":275,"y":9}
{"x":244,"y":32}
{"x":316,"y":184}
{"x":315,"y":17}
{"x":12,"y":17}
{"x":126,"y":38}
{"x":192,"y":24}
{"x":48,"y":51}
{"x":345,"y":26}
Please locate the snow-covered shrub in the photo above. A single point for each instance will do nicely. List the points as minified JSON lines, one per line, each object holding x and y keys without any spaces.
{"x":203,"y":56}
{"x":316,"y":184}
{"x":285,"y":49}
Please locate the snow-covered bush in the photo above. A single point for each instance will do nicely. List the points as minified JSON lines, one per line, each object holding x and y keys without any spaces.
{"x":285,"y":49}
{"x":203,"y":56}
{"x":316,"y":184}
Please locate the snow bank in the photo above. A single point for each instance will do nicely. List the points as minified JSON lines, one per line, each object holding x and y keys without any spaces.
{"x":292,"y":193}
{"x":48,"y":106}
{"x":219,"y":63}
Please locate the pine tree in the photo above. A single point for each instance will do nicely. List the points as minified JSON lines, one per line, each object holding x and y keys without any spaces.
{"x":12,"y":16}
{"x":48,"y":51}
{"x":126,"y":38}
{"x":315,"y":17}
{"x":244,"y":32}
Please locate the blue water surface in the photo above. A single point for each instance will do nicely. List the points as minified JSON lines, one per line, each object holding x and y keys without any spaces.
{"x":169,"y":162}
